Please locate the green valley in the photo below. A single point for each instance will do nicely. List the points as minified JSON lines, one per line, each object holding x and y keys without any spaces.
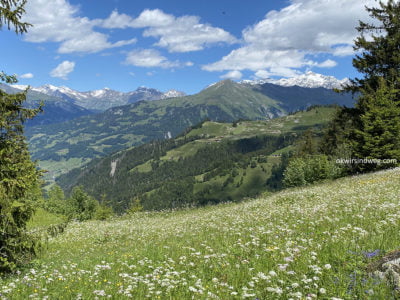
{"x":211,"y":163}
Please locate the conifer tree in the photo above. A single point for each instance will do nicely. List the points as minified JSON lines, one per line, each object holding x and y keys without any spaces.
{"x":379,"y":47}
{"x":374,"y":123}
{"x":11,"y":12}
{"x":19,"y":177}
{"x":379,"y":134}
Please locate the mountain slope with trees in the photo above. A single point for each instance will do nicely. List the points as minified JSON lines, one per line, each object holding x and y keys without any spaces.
{"x":67,"y":145}
{"x":211,"y":163}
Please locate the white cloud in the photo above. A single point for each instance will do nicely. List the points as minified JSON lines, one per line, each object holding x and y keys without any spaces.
{"x":253,"y":58}
{"x":177,"y":34}
{"x":329,"y":63}
{"x":343,"y":50}
{"x":232,"y":75}
{"x":153,"y":18}
{"x":115,"y":20}
{"x":26,"y":76}
{"x":262,"y":74}
{"x":149,"y":58}
{"x":63,"y":69}
{"x":94,"y":42}
{"x":285,"y":39}
{"x":58,"y":21}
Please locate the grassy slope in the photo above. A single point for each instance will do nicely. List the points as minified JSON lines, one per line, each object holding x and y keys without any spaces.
{"x":96,"y":178}
{"x":43,"y":219}
{"x":300,"y":242}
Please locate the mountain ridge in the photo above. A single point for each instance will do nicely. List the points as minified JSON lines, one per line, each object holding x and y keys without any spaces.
{"x":103,"y":99}
{"x":307,"y":80}
{"x":55,"y":109}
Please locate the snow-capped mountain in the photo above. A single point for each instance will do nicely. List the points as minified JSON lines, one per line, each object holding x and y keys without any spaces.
{"x":308,"y":80}
{"x":56,"y":109}
{"x":173,"y":94}
{"x":103,"y":99}
{"x":144,"y":93}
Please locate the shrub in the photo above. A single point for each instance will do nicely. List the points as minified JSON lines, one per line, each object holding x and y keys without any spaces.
{"x":103,"y":212}
{"x":55,"y":202}
{"x":310,"y":169}
{"x":81,"y":206}
{"x":135,"y":206}
{"x":16,"y":246}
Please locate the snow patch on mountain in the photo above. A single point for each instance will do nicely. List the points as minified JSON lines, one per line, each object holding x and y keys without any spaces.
{"x":308,"y":80}
{"x":104,"y":98}
{"x":173,"y":94}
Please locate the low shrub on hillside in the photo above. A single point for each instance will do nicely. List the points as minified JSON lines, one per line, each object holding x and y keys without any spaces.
{"x":310,"y":169}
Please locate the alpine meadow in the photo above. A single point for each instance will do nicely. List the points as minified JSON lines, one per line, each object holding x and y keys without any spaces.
{"x":213,"y":150}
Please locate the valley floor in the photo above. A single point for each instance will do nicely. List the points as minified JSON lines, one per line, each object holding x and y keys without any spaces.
{"x":304,"y":243}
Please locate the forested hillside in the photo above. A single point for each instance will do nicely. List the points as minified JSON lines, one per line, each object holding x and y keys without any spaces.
{"x":213,"y":162}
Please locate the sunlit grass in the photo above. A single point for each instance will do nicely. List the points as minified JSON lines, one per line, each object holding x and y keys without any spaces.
{"x":304,"y":243}
{"x":44,"y":219}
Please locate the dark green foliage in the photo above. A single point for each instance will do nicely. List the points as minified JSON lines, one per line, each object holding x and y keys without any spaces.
{"x":307,"y":144}
{"x":340,"y":132}
{"x":135,"y":206}
{"x":307,"y":170}
{"x":55,"y":201}
{"x":19,"y":181}
{"x":11,"y":12}
{"x":275,"y":181}
{"x":378,"y":136}
{"x":81,"y":206}
{"x":19,"y":178}
{"x":380,"y":56}
{"x":371,"y":130}
{"x":103,"y":212}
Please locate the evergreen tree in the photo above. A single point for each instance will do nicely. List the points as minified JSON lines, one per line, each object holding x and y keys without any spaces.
{"x":19,"y":180}
{"x":379,"y":44}
{"x":19,"y":177}
{"x":55,"y":202}
{"x":307,"y":144}
{"x":81,"y":206}
{"x":11,"y":12}
{"x":379,"y":134}
{"x":371,"y":128}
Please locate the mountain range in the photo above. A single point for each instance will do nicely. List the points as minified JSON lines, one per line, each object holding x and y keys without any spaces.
{"x":101,"y":100}
{"x":308,"y":80}
{"x":55,"y":110}
{"x":63,"y":146}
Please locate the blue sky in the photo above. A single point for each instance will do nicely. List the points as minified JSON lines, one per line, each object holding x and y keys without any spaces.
{"x":180,"y":44}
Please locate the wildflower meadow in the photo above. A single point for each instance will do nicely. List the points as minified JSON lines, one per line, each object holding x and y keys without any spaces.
{"x":304,"y":243}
